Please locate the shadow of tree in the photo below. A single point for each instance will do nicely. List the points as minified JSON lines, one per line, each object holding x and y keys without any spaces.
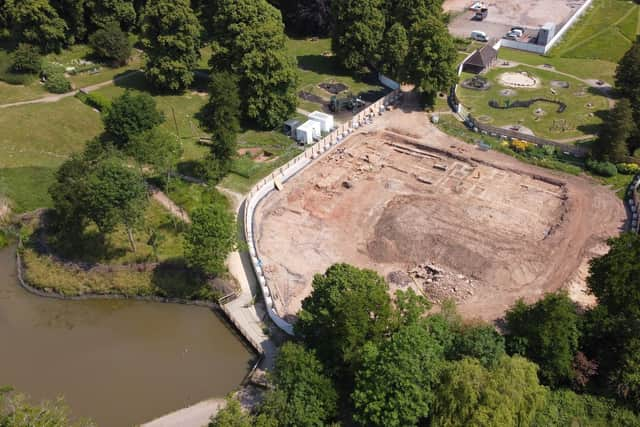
{"x":175,"y":280}
{"x":594,"y":128}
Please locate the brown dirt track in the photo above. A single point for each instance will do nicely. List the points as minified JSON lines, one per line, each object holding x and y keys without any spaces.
{"x":487,"y":230}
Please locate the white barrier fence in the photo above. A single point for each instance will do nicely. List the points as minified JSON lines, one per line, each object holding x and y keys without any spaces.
{"x":282,"y":174}
{"x":568,"y":25}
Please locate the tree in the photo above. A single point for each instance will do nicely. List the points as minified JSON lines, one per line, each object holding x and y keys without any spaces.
{"x":210,"y":239}
{"x":232,"y":415}
{"x":131,"y":114}
{"x":16,"y":411}
{"x":221,"y":115}
{"x":347,"y":308}
{"x":471,"y":395}
{"x":171,"y":36}
{"x":67,"y":193}
{"x":627,"y":76}
{"x":546,"y":332}
{"x":36,"y":22}
{"x":73,"y":12}
{"x":5,"y":19}
{"x":115,"y":194}
{"x":394,"y":51}
{"x":432,"y":56}
{"x":101,"y":13}
{"x":481,"y":342}
{"x":26,"y":59}
{"x":111,"y":43}
{"x":612,"y":328}
{"x":158,"y":148}
{"x":312,"y":17}
{"x":304,"y":395}
{"x":394,"y":386}
{"x":249,"y":41}
{"x":358,"y":29}
{"x":612,"y":144}
{"x":408,"y":12}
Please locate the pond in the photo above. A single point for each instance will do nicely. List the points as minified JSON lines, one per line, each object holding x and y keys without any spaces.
{"x":118,"y":362}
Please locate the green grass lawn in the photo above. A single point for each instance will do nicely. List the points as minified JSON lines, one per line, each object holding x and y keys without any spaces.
{"x":579,"y":120}
{"x":34,"y":141}
{"x":190,"y":196}
{"x":315,"y":67}
{"x":31,"y":89}
{"x":594,"y":45}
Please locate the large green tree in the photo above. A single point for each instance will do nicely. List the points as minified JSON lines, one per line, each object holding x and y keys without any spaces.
{"x":249,"y":41}
{"x":612,"y":144}
{"x":156,"y":147}
{"x":628,"y":75}
{"x":394,"y":386}
{"x":232,"y":415}
{"x":358,"y":30}
{"x":546,"y":332}
{"x":408,"y":12}
{"x":471,"y":395}
{"x":210,"y":239}
{"x":347,"y":308}
{"x":73,"y":12}
{"x":171,"y":36}
{"x":103,"y":12}
{"x":36,"y":22}
{"x":17,"y":411}
{"x":115,"y":194}
{"x":432,"y":56}
{"x":221,"y":115}
{"x":131,"y":114}
{"x":394,"y":50}
{"x":303,"y":395}
{"x":481,"y":342}
{"x":111,"y":43}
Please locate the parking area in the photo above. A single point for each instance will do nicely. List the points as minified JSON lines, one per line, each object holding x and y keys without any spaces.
{"x":505,"y":14}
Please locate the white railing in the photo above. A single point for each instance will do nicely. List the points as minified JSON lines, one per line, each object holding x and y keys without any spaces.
{"x":285,"y":172}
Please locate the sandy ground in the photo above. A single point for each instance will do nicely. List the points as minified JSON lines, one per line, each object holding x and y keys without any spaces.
{"x":507,"y":13}
{"x":437,"y":215}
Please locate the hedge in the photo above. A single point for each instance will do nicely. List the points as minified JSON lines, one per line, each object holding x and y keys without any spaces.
{"x":605,"y":169}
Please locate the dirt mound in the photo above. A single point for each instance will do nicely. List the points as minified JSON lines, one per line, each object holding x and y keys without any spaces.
{"x":439,"y":284}
{"x":308,"y":96}
{"x":334,"y":88}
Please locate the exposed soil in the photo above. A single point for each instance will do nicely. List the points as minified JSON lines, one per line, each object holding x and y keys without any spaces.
{"x":334,"y":88}
{"x":308,"y":96}
{"x":434,"y":214}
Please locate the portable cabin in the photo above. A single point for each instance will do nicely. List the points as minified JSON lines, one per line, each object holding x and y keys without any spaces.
{"x":325,"y":120}
{"x":306,"y":132}
{"x":290,"y":127}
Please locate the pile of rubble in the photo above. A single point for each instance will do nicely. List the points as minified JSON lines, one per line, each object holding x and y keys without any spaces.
{"x":438,"y":284}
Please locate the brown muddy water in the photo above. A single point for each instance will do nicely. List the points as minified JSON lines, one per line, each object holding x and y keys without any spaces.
{"x":120,"y":363}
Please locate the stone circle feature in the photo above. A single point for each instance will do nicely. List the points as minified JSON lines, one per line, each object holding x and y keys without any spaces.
{"x":522,"y":79}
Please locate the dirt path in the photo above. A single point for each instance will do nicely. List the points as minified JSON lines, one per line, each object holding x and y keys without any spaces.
{"x":169,"y":205}
{"x":194,"y":416}
{"x":55,"y":98}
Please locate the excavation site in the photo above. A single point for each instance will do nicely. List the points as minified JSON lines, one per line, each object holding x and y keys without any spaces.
{"x":434,"y":214}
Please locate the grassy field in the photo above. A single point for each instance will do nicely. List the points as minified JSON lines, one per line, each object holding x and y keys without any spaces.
{"x":34,"y":141}
{"x":317,"y":65}
{"x":577,"y":120}
{"x":592,"y":48}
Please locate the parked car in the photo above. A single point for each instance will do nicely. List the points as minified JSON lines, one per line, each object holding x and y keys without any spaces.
{"x":477,"y":6}
{"x":480,"y":36}
{"x":480,"y":15}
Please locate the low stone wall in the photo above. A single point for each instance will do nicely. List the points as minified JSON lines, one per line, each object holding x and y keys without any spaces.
{"x":282,"y":174}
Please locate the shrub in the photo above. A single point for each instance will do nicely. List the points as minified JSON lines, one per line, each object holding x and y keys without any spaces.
{"x":111,"y":43}
{"x":57,"y":83}
{"x":628,"y":168}
{"x":95,"y":100}
{"x":520,"y":145}
{"x":26,"y":59}
{"x":605,"y":169}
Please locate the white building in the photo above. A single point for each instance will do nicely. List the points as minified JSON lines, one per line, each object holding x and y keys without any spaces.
{"x":325,"y":120}
{"x":306,"y":132}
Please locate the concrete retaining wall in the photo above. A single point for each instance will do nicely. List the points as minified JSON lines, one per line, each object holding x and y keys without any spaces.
{"x":284,"y":173}
{"x":568,"y":25}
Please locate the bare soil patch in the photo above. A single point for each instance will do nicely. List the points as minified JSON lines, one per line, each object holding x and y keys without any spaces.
{"x":433,"y":214}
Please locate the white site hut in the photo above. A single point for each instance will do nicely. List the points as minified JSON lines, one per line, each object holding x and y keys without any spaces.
{"x":306,"y":132}
{"x":325,"y":120}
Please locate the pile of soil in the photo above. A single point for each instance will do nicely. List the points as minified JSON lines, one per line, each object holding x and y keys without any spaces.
{"x":559,"y":83}
{"x":438,"y":284}
{"x":334,"y":88}
{"x":308,"y":96}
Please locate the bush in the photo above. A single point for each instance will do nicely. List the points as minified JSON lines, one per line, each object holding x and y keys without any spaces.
{"x":26,"y":59}
{"x":95,"y":100}
{"x":111,"y":43}
{"x":57,"y":83}
{"x":606,"y":169}
{"x":628,"y":168}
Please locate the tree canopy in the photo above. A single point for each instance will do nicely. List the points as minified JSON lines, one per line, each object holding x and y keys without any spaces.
{"x":131,"y":114}
{"x":546,"y":332}
{"x":248,"y":41}
{"x":111,"y":43}
{"x":210,"y":238}
{"x":171,"y":36}
{"x":36,"y":22}
{"x":612,"y":144}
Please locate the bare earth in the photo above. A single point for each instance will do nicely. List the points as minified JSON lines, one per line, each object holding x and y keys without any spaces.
{"x":504,"y":14}
{"x":437,"y":215}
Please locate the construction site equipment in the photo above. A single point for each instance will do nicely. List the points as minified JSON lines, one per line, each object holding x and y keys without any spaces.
{"x":349,"y":103}
{"x":290,"y":127}
{"x":307,"y":132}
{"x":325,"y":120}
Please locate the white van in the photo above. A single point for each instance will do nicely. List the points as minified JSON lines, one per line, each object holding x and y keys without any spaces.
{"x":480,"y":36}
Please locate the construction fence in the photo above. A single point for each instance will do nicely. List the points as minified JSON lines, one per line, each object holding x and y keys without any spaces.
{"x":282,"y":174}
